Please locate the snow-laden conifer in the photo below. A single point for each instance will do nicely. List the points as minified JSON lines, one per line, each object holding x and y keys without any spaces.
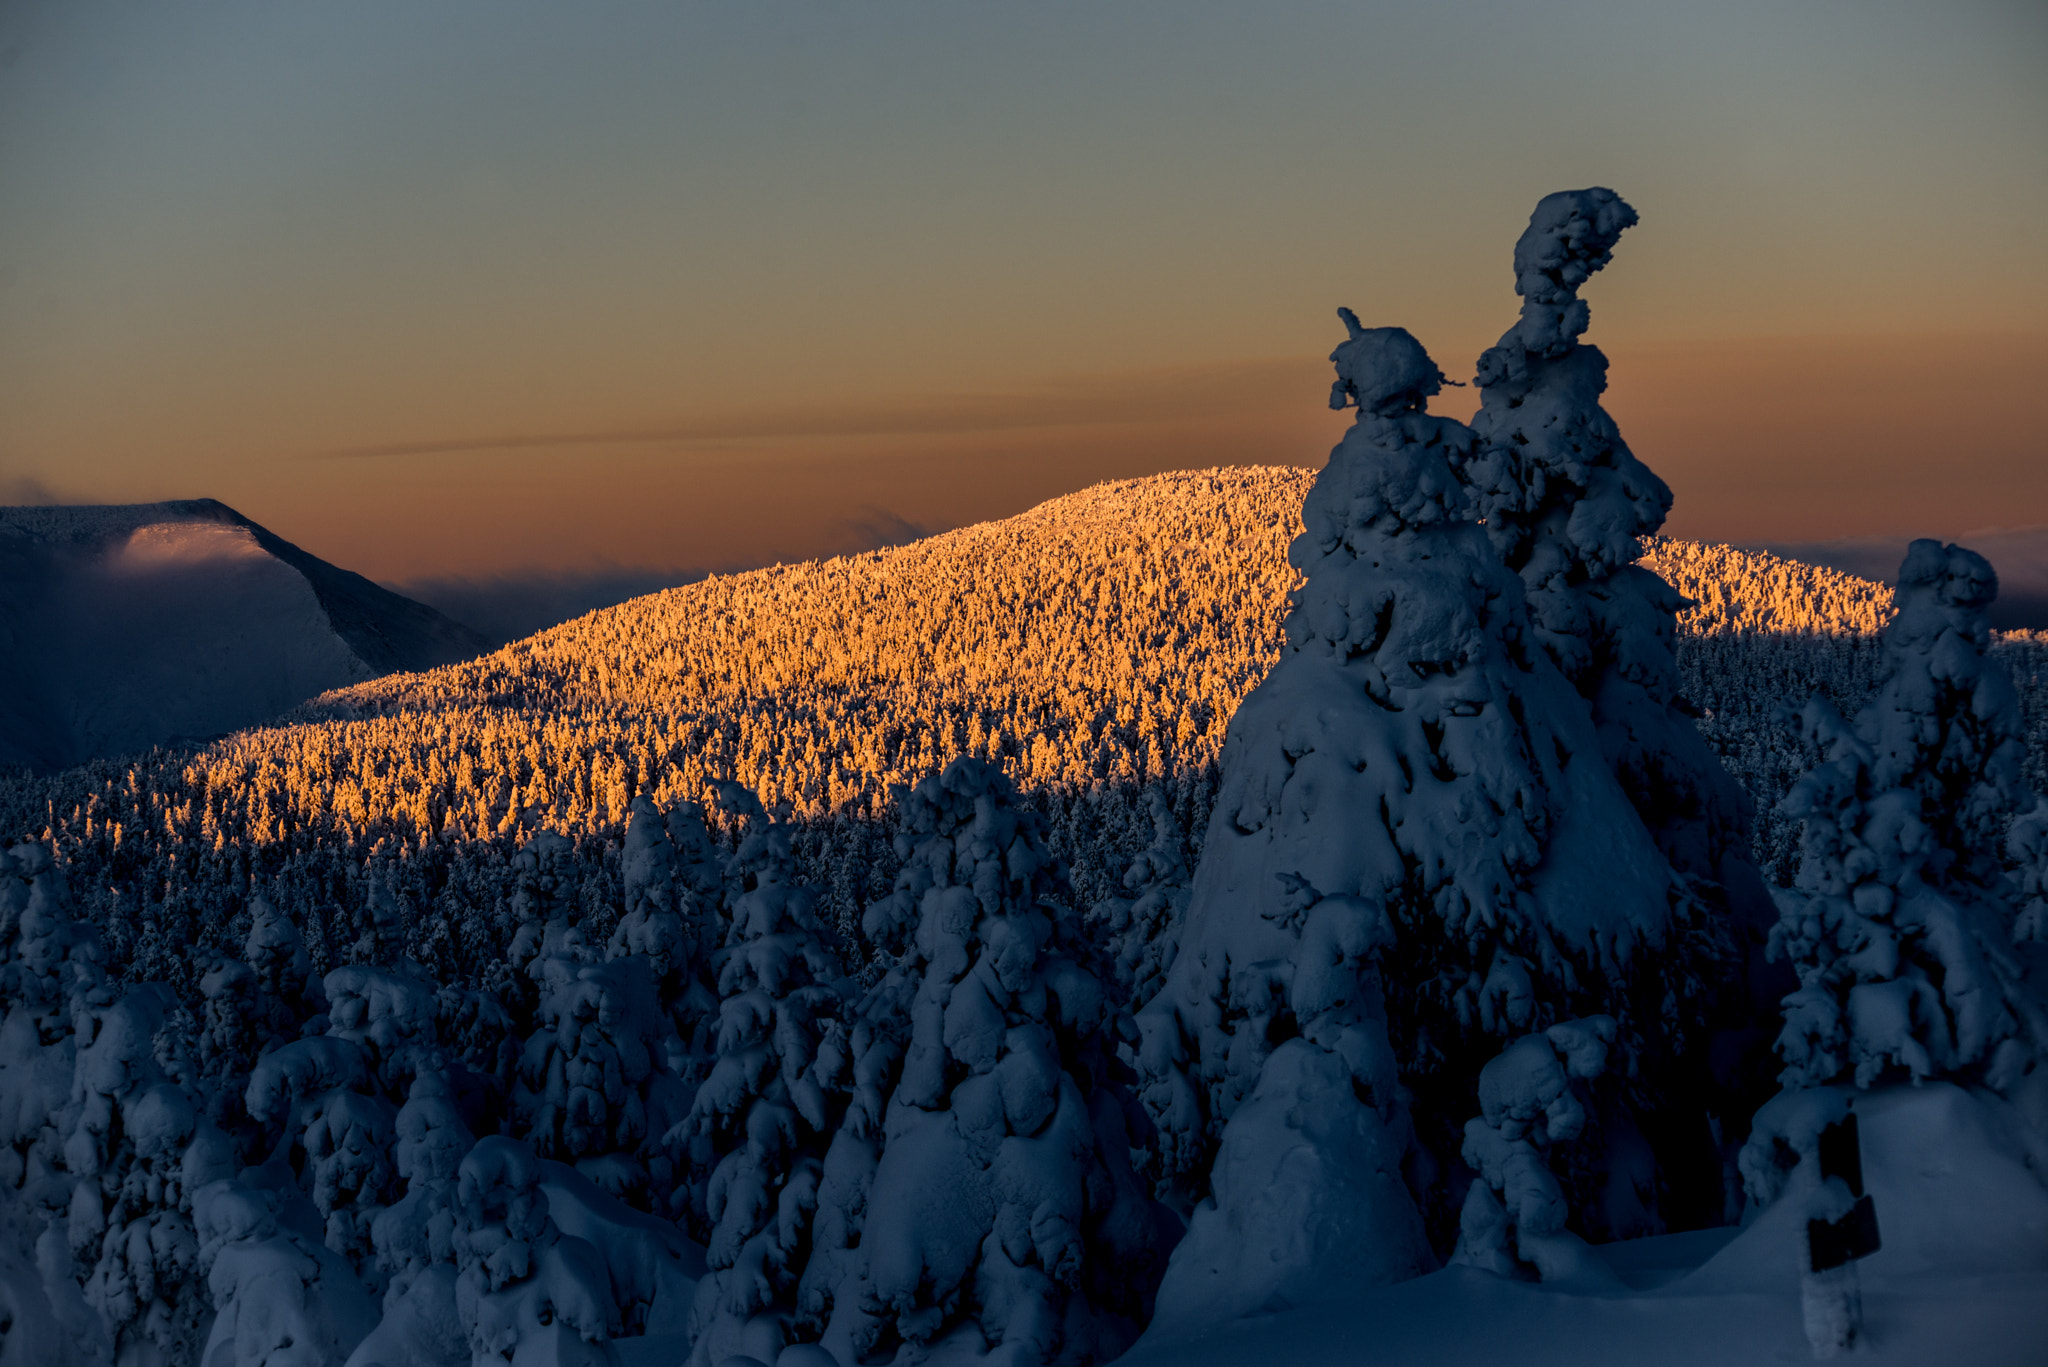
{"x":979,"y":1190}
{"x":414,"y":1237}
{"x":672,"y":880}
{"x":1567,"y":505}
{"x":380,"y":925}
{"x":527,"y":1292}
{"x":762,"y":1118}
{"x":596,"y":1084}
{"x":1514,"y":1218}
{"x":595,"y":1088}
{"x":281,"y":1298}
{"x":332,"y":1135}
{"x":1141,"y":932}
{"x":287,"y":990}
{"x":1413,"y":782}
{"x":1901,"y":922}
{"x":105,"y":1150}
{"x":2027,"y":845}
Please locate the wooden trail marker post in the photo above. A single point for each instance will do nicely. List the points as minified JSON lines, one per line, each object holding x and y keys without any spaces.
{"x":1841,"y":1228}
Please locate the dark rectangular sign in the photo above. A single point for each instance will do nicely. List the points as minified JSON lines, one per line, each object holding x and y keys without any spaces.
{"x":1830,"y":1243}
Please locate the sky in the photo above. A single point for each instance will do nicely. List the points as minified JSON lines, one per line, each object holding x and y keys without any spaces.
{"x":509,"y":290}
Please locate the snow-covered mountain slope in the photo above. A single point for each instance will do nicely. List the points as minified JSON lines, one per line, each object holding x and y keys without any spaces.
{"x":128,"y":626}
{"x":1096,"y":643}
{"x":1108,"y":634}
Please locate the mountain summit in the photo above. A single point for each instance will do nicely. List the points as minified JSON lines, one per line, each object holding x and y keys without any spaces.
{"x":125,"y":626}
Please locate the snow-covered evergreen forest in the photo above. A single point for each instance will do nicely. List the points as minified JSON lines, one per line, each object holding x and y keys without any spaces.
{"x":1095,"y":648}
{"x":1200,"y":895}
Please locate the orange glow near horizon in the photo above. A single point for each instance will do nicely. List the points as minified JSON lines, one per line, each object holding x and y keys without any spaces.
{"x":1869,"y":436}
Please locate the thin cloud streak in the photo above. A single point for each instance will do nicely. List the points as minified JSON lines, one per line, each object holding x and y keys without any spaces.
{"x":1194,"y":391}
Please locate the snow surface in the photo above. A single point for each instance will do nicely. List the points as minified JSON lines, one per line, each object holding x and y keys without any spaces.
{"x":1962,"y":1276}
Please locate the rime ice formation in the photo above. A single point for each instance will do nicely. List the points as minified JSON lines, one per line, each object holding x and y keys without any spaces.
{"x":105,"y":1152}
{"x":1901,"y":922}
{"x":1514,"y":1218}
{"x":978,"y":1193}
{"x":1901,"y":929}
{"x":1412,"y":780}
{"x":1142,"y":931}
{"x":762,"y":1118}
{"x":1567,"y":505}
{"x":2028,"y":847}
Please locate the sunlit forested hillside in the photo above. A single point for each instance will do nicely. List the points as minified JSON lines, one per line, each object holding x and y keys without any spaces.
{"x":1093,"y":646}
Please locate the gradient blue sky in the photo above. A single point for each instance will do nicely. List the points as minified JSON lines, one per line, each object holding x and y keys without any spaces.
{"x":477,"y":288}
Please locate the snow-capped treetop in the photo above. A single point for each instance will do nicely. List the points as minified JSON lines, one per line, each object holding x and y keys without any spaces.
{"x":1570,"y":236}
{"x":1947,"y":722}
{"x":1382,"y":371}
{"x":1567,"y":505}
{"x":1561,"y":494}
{"x":962,"y":839}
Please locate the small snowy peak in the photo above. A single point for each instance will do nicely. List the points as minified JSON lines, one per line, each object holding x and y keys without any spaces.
{"x":128,"y":627}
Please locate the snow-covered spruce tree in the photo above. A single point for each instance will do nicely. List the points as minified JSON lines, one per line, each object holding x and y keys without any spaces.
{"x":543,"y":916}
{"x":526,"y":1292}
{"x":1514,"y":1219}
{"x":280,"y":1297}
{"x":1901,"y":921}
{"x":762,"y":1118}
{"x":104,"y":1149}
{"x":287,"y":993}
{"x":414,"y":1237}
{"x":1412,"y":783}
{"x":2027,"y":845}
{"x":248,"y":1007}
{"x":1142,"y":931}
{"x":332,"y":1135}
{"x":380,"y":924}
{"x":979,"y":1189}
{"x":137,"y":1149}
{"x":49,"y":969}
{"x":596,"y":1085}
{"x":49,"y":974}
{"x":667,"y":913}
{"x":1566,"y":504}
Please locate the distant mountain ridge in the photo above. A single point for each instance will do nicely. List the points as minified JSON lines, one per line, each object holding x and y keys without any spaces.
{"x":130,"y":625}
